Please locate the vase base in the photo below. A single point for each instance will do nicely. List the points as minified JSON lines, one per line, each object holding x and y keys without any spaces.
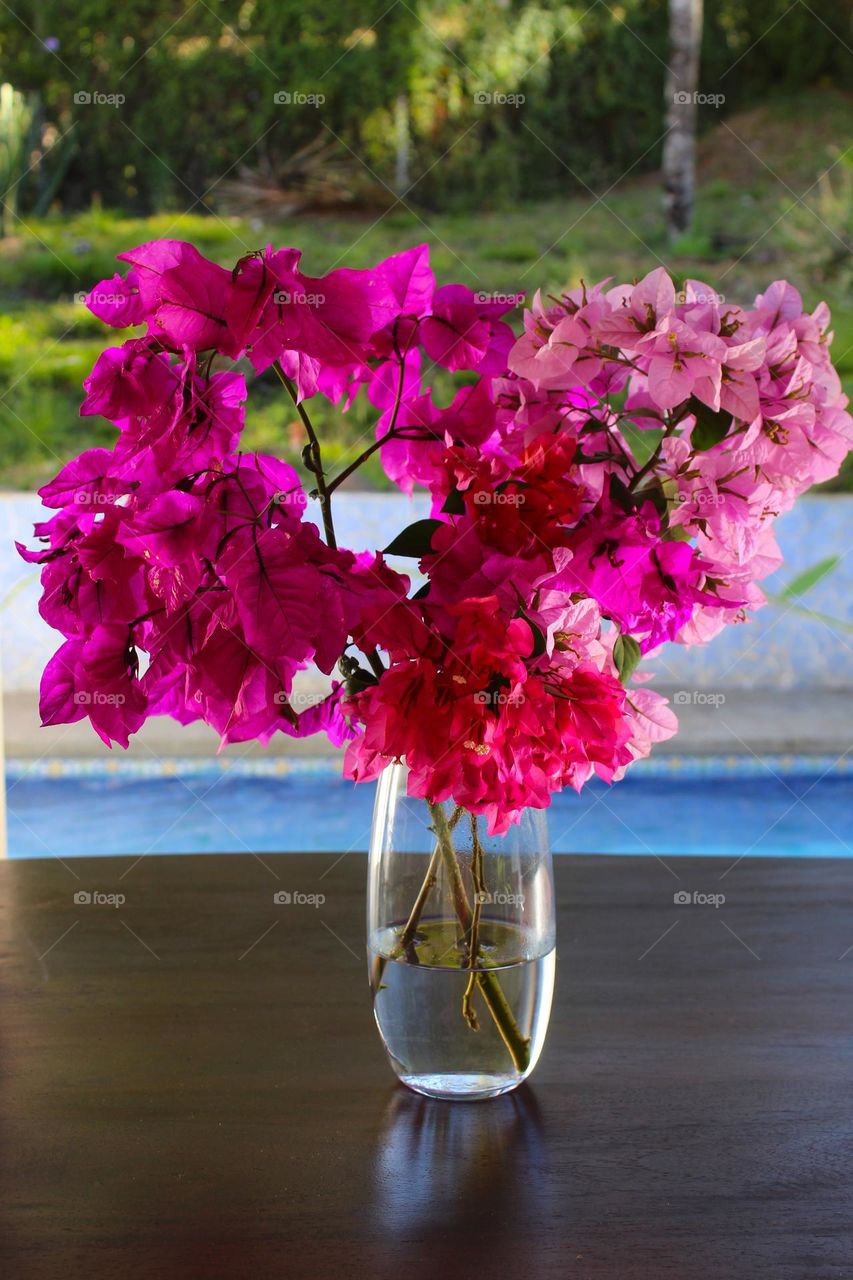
{"x":462,"y":1086}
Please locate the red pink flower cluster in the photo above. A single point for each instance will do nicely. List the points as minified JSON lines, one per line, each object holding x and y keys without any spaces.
{"x":604,"y":483}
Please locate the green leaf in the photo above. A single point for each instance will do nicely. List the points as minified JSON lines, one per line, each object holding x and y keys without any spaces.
{"x":622,"y":495}
{"x":540,"y":643}
{"x":626,"y":654}
{"x":414,"y":541}
{"x":454,"y":504}
{"x":642,"y":441}
{"x":712,"y":425}
{"x":358,"y":680}
{"x":583,"y":458}
{"x":653,"y":491}
{"x":809,"y":578}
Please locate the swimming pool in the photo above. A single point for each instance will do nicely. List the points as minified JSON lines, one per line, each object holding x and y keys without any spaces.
{"x":776,"y":807}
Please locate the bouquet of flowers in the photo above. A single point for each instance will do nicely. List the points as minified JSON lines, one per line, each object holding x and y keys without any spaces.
{"x":604,"y":483}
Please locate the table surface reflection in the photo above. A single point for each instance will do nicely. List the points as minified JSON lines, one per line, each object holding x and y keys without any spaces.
{"x":192,"y":1084}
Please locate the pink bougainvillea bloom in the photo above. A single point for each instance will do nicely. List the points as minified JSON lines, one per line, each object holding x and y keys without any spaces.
{"x":95,"y":676}
{"x":683,"y":361}
{"x":86,"y":481}
{"x":117,"y":301}
{"x":650,"y":720}
{"x":409,"y":285}
{"x":558,"y":356}
{"x":560,"y":348}
{"x":647,"y":585}
{"x":254,"y":280}
{"x":186,"y":580}
{"x":481,"y":723}
{"x":636,"y":313}
{"x":415,"y":455}
{"x":132,"y":380}
{"x":464,"y":330}
{"x":183,"y":294}
{"x":325,"y":716}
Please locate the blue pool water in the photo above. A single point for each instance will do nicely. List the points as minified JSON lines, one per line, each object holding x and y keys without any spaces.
{"x":772,"y":810}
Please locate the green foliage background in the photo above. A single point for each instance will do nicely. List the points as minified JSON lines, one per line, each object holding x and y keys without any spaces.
{"x":199,"y":78}
{"x":509,"y":196}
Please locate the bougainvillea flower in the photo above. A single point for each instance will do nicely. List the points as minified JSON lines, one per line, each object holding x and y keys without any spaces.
{"x":132,"y":380}
{"x":464,"y":330}
{"x":187,"y":581}
{"x":95,"y":677}
{"x":647,"y":585}
{"x":481,"y":724}
{"x":117,"y":301}
{"x":184,"y":295}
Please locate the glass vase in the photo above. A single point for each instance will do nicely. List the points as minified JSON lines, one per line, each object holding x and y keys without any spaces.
{"x":461,"y":943}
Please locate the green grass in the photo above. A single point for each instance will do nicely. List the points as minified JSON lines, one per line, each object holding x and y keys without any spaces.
{"x":749,"y":229}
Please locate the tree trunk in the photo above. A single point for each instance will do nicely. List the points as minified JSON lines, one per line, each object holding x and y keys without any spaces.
{"x":401,"y":145}
{"x":679,"y":148}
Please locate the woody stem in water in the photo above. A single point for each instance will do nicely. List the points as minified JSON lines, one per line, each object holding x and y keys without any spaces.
{"x":488,"y":983}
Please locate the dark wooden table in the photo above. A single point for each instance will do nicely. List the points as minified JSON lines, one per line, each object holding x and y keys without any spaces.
{"x":192,"y":1084}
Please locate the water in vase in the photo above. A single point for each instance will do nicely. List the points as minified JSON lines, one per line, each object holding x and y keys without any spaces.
{"x":452,"y":1032}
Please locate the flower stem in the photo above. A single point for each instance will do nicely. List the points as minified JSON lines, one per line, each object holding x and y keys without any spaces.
{"x":407,"y":937}
{"x":468,"y":1011}
{"x":316,"y":463}
{"x":383,"y":439}
{"x":411,"y":926}
{"x":652,"y":460}
{"x":490,"y":988}
{"x":362,"y":457}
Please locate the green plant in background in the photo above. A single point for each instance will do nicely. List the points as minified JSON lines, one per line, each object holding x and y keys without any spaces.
{"x":822,"y":223}
{"x":491,"y":187}
{"x":31,"y":155}
{"x":199,"y":84}
{"x":791,"y":594}
{"x":17,"y":134}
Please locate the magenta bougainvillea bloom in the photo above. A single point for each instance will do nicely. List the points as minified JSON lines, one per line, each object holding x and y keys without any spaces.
{"x":186,"y":580}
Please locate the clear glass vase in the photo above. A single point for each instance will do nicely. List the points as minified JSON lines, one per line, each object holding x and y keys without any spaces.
{"x":461,"y":943}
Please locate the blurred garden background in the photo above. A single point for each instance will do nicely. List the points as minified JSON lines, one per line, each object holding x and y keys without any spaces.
{"x":525,"y":143}
{"x":522,"y":140}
